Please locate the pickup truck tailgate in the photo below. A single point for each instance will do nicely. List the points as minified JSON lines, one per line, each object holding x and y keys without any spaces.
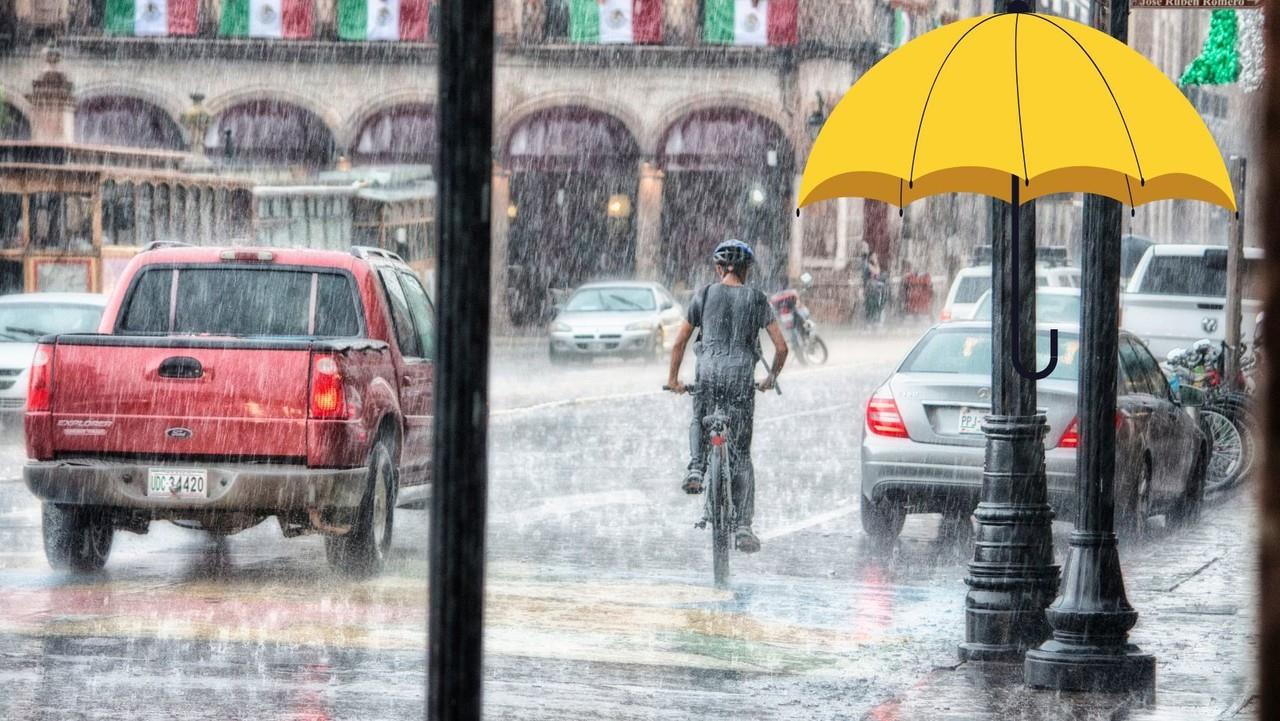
{"x":179,"y":396}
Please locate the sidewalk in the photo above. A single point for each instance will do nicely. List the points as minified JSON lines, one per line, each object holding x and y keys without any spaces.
{"x":1195,"y":591}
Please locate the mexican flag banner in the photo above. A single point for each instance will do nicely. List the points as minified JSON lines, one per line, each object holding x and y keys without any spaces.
{"x":382,"y":19}
{"x":750,"y":22}
{"x":290,"y":19}
{"x":151,"y":18}
{"x":615,"y":21}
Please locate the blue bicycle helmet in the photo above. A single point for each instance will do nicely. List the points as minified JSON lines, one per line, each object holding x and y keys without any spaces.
{"x":733,"y":252}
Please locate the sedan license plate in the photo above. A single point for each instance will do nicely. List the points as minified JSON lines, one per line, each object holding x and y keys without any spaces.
{"x":181,"y":483}
{"x":970,"y":422}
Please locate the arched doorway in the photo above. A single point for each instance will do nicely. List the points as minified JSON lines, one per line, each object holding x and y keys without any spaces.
{"x":13,"y":124}
{"x":126,"y":121}
{"x":573,"y":188}
{"x":728,"y":175}
{"x":400,"y":134}
{"x":269,"y":133}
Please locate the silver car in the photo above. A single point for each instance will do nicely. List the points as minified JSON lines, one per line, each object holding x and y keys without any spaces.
{"x":923,"y":446}
{"x":24,"y":318}
{"x":621,"y":318}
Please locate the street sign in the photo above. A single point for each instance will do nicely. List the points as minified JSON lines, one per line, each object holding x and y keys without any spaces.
{"x":1194,"y":4}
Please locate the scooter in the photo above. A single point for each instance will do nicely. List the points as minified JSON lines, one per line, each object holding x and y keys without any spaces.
{"x":801,"y":331}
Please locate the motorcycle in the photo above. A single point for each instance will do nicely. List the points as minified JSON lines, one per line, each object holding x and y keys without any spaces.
{"x":802,"y":333}
{"x":1227,"y":415}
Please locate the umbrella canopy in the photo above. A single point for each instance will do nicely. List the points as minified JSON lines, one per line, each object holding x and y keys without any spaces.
{"x":1062,"y":106}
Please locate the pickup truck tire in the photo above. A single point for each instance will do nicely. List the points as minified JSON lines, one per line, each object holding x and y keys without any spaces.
{"x":76,"y":538}
{"x":362,"y":551}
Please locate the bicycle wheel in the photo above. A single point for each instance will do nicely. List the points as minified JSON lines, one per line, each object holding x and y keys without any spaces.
{"x":720,"y":515}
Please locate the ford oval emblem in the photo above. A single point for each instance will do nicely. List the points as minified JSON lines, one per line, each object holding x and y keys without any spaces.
{"x":180,"y":434}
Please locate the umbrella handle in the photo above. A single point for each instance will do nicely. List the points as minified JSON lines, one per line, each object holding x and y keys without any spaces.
{"x":1015,"y":269}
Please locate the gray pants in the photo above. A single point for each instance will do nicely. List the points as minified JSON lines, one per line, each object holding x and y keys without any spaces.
{"x":732,"y":390}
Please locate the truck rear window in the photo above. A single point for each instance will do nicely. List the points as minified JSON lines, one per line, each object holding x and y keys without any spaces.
{"x":1194,"y":275}
{"x":240,"y":301}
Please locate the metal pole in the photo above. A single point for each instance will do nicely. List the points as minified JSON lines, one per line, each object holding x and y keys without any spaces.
{"x":454,"y":664}
{"x":1235,"y":281}
{"x":1012,"y":576}
{"x":1089,"y":650}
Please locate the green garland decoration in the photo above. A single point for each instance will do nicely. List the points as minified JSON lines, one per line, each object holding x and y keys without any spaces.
{"x":1218,"y":63}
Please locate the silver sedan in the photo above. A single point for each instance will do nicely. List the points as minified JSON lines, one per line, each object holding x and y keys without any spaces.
{"x":621,"y":318}
{"x":923,"y":446}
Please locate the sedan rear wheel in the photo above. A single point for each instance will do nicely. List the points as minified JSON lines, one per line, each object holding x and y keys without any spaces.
{"x":883,"y":521}
{"x":1136,"y":519}
{"x":1187,"y":510}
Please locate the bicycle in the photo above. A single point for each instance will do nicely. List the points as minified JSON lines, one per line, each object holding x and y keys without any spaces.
{"x":719,"y":508}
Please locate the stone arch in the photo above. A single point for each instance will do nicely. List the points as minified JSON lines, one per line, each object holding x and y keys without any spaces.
{"x":509,"y":121}
{"x":397,"y":133}
{"x":217,"y":104}
{"x":171,"y":104}
{"x":350,"y":127}
{"x":269,"y":131}
{"x":126,"y":120}
{"x":721,"y":101}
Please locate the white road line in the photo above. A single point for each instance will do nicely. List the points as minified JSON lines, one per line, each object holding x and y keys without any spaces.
{"x":564,"y":505}
{"x":810,"y":412}
{"x":806,"y":523}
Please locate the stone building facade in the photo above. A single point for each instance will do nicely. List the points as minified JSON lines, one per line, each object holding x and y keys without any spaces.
{"x":610,"y":160}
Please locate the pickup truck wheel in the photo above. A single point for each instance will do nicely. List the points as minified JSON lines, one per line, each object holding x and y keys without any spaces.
{"x":75,"y":537}
{"x":362,"y":551}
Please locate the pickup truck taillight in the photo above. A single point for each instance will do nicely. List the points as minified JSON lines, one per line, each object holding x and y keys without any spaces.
{"x":328,"y":398}
{"x":40,"y":384}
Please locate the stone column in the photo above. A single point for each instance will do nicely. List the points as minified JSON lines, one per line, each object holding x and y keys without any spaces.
{"x":52,"y":104}
{"x":500,"y":224}
{"x":648,"y":220}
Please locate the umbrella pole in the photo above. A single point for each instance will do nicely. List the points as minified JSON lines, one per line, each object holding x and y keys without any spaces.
{"x":1091,"y":619}
{"x":1089,"y":650}
{"x":1012,"y":577}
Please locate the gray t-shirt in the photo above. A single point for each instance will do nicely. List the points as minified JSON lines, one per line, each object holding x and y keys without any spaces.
{"x":730,"y":319}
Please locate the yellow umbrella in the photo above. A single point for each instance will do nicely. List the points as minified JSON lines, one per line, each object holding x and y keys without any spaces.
{"x":1059,"y":105}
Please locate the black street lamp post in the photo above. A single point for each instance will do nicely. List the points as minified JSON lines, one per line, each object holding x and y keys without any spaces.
{"x":1012,"y":576}
{"x":1091,"y":619}
{"x":454,"y":665}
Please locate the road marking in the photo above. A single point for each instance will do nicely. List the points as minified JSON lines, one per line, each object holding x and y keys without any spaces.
{"x":806,"y":523}
{"x":810,"y":412}
{"x":564,"y":505}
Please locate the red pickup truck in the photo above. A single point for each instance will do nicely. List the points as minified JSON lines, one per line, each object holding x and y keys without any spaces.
{"x":226,"y":385}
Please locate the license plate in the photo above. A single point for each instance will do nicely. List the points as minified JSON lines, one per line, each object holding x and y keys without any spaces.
{"x":179,"y":483}
{"x":970,"y":422}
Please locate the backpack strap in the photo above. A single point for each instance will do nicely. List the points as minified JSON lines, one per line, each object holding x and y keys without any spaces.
{"x":702,"y":303}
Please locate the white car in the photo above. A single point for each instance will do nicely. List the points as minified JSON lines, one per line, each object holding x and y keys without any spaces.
{"x":24,"y":319}
{"x":971,"y":283}
{"x":1177,"y":295}
{"x":637,"y":319}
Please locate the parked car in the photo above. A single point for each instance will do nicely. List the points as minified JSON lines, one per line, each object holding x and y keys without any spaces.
{"x":1178,"y":292}
{"x":1053,"y":305}
{"x":970,"y":284}
{"x":635,"y":319}
{"x":24,"y":318}
{"x":923,"y":446}
{"x":229,"y":385}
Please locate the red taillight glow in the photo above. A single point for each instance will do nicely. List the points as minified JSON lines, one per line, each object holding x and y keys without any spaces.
{"x":40,"y":384}
{"x":883,"y":418}
{"x":1071,"y":436}
{"x":328,"y":398}
{"x":945,"y":314}
{"x":252,"y":256}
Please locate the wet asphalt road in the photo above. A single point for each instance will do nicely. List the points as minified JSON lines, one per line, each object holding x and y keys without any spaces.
{"x":600,"y":603}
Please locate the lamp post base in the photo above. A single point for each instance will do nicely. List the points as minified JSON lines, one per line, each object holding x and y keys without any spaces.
{"x":1063,"y":667}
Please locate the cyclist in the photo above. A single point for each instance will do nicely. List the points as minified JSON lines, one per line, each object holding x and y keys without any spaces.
{"x":729,"y":316}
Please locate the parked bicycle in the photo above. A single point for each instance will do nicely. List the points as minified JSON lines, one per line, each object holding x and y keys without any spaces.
{"x":719,"y":509}
{"x":1227,"y":415}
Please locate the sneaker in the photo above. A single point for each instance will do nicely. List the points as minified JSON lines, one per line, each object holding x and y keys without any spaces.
{"x":693,"y":483}
{"x":746,"y":540}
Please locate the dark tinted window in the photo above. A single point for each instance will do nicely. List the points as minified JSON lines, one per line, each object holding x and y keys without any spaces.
{"x":406,"y":334}
{"x":972,"y":287}
{"x":1193,"y":275}
{"x":1145,"y":365}
{"x":424,"y":316}
{"x":147,"y":309}
{"x":243,"y":302}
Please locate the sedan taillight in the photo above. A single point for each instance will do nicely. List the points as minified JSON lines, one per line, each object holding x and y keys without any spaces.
{"x":40,"y":384}
{"x":1071,"y":436}
{"x":883,"y":418}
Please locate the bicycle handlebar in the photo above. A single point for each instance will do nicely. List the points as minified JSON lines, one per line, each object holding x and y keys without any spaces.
{"x":692,"y":389}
